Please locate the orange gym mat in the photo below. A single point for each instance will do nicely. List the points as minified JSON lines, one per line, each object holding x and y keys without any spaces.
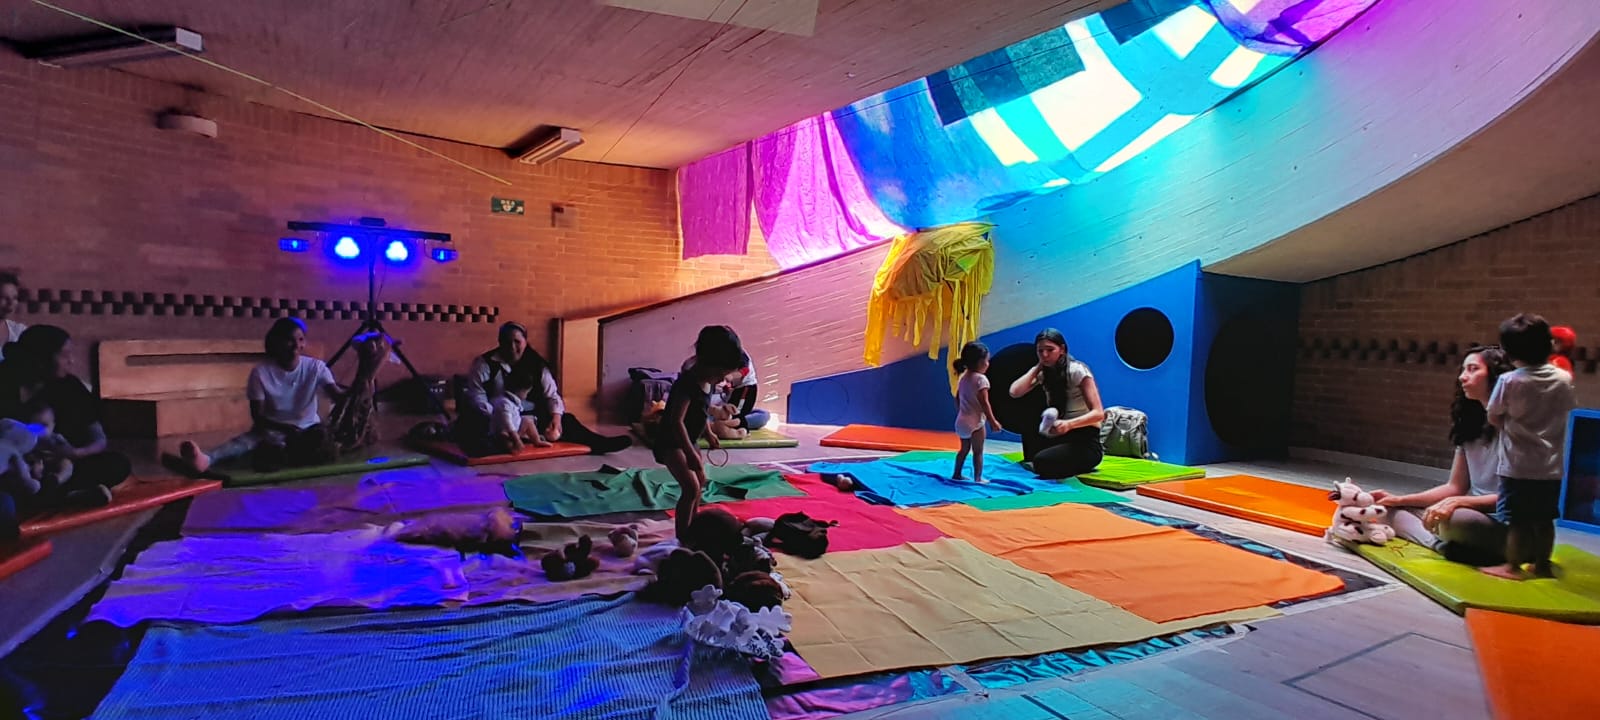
{"x":132,"y":496}
{"x":14,"y":558}
{"x":1269,"y":502}
{"x":1534,"y":669}
{"x":446,"y":450}
{"x":877,"y":437}
{"x":1158,"y":573}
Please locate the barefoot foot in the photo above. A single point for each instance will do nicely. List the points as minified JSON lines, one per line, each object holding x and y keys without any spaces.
{"x":194,"y":457}
{"x":1509,"y":572}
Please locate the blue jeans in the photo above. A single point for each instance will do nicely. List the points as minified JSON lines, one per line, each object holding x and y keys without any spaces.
{"x":757,"y":419}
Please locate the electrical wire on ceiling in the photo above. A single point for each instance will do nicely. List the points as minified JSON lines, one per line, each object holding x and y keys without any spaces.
{"x":239,"y":73}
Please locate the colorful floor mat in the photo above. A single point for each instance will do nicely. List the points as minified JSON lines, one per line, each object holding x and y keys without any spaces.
{"x":1572,"y":596}
{"x":861,"y":526}
{"x":447,"y":450}
{"x":238,"y":477}
{"x":1284,"y":505}
{"x":588,"y":659}
{"x":944,"y":602}
{"x":236,"y":578}
{"x":1534,"y":669}
{"x":1120,"y":473}
{"x":132,"y":496}
{"x":763,"y":438}
{"x":925,"y":480}
{"x":583,"y":494}
{"x":877,"y":437}
{"x":1158,"y":573}
{"x":16,"y":557}
{"x":376,"y":500}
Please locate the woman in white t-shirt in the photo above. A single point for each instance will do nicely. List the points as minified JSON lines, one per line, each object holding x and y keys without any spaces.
{"x":10,"y":292}
{"x":1067,"y":444}
{"x":286,"y":427}
{"x":1456,"y":519}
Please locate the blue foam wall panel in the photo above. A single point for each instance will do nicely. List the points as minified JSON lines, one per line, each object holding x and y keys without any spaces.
{"x":914,"y":393}
{"x":1245,"y":342}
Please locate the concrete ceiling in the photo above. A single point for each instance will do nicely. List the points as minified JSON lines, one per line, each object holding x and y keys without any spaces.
{"x":653,"y":83}
{"x":1541,"y":155}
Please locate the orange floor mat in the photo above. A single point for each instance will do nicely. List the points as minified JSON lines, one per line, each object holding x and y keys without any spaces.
{"x":877,"y":437}
{"x":446,"y":450}
{"x":15,"y":557}
{"x":1269,"y":502}
{"x":1535,"y":669}
{"x":1158,"y":573}
{"x":134,"y":495}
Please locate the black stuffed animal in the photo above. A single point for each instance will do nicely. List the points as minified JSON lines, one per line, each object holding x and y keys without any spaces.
{"x":755,"y":590}
{"x":571,"y":562}
{"x":716,"y":532}
{"x":680,"y":574}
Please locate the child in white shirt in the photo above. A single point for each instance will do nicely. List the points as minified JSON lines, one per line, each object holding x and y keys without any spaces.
{"x":508,"y":423}
{"x":972,"y":407}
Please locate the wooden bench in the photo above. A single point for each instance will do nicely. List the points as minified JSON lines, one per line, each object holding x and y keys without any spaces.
{"x":166,"y":388}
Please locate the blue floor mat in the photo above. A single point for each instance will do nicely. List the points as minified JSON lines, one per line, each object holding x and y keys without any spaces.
{"x":918,"y":482}
{"x":588,"y":659}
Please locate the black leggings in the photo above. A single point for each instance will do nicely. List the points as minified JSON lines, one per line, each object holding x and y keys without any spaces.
{"x":1063,"y":456}
{"x":472,"y":435}
{"x":107,"y":468}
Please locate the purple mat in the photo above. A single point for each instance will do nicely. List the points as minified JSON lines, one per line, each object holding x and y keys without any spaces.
{"x":377,"y":500}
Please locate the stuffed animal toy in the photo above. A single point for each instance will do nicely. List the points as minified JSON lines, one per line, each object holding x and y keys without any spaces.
{"x":1358,"y":518}
{"x":652,"y":412}
{"x":758,"y":526}
{"x":571,"y":562}
{"x":624,"y":540}
{"x":755,"y":590}
{"x":844,"y":482}
{"x":17,"y":440}
{"x":716,"y":532}
{"x":749,"y":556}
{"x":722,"y":419}
{"x":679,"y":575}
{"x":725,"y":624}
{"x":495,"y":531}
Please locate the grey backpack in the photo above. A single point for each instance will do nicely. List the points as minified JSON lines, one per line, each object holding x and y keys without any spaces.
{"x":1126,"y":433}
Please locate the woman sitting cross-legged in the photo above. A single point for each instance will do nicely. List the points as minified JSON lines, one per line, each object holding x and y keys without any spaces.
{"x":286,"y":427}
{"x":1456,"y":519}
{"x":1067,"y":441}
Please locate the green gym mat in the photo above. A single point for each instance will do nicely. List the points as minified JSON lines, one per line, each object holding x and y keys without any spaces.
{"x":1572,"y":596}
{"x":763,"y":438}
{"x":1121,"y":473}
{"x":582,"y":494}
{"x":236,"y":478}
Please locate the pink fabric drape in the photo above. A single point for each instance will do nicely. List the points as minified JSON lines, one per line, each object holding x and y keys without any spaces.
{"x":714,"y":204}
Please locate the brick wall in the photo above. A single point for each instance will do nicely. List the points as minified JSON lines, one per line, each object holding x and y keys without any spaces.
{"x":1380,"y":348}
{"x":94,"y":198}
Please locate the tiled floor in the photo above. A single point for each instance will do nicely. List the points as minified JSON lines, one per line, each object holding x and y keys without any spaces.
{"x":1386,"y":653}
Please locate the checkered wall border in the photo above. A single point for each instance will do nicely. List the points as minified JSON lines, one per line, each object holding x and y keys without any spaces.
{"x":1584,"y":360}
{"x":106,"y":302}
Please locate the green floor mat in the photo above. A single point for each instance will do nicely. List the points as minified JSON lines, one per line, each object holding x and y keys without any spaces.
{"x":235,"y":478}
{"x":582,"y":494}
{"x":763,"y":438}
{"x":1573,"y":596}
{"x":1121,"y":473}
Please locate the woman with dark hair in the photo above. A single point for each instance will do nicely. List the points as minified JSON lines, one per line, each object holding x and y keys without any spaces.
{"x":1067,"y":441}
{"x":486,"y":380}
{"x":38,"y":370}
{"x":10,"y":291}
{"x":1456,"y":519}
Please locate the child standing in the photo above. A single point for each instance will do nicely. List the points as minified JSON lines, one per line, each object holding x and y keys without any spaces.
{"x":972,"y":407}
{"x":508,"y":423}
{"x":1529,"y":406}
{"x":1564,"y":341}
{"x":716,"y":353}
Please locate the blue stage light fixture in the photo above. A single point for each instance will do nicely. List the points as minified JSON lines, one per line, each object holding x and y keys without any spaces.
{"x":396,"y":252}
{"x":443,"y":254}
{"x":347,"y":248}
{"x":293,"y":245}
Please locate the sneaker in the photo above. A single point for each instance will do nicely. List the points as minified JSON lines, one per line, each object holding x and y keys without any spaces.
{"x":1048,"y":420}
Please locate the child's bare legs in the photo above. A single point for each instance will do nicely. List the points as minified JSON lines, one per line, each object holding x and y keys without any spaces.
{"x":691,"y":477}
{"x":1545,"y":544}
{"x":976,"y":441}
{"x":1520,"y":540}
{"x":961,"y":458}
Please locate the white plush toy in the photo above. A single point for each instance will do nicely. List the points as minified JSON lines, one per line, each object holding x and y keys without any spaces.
{"x":1358,"y":518}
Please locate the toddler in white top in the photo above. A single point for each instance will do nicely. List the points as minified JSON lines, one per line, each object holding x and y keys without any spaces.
{"x":972,"y":407}
{"x":509,"y":424}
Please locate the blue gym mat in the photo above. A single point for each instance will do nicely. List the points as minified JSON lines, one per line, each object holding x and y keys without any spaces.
{"x":923,"y":478}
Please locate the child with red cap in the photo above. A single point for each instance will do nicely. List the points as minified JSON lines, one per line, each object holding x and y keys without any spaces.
{"x":1563,"y":341}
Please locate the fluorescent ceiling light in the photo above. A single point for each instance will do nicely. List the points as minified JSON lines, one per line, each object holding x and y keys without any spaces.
{"x":553,"y":146}
{"x":114,"y":48}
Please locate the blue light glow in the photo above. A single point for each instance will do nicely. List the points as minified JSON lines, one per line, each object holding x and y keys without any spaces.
{"x":293,"y":245}
{"x":443,"y":255}
{"x":347,"y":248}
{"x":397,"y":252}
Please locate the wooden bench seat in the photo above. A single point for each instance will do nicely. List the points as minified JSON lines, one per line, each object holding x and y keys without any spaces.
{"x":167,"y":388}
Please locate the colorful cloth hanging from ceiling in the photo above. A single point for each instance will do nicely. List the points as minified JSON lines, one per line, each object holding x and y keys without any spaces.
{"x":1055,"y":110}
{"x":930,"y":280}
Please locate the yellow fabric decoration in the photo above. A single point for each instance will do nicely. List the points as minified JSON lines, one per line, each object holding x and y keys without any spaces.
{"x":930,"y":276}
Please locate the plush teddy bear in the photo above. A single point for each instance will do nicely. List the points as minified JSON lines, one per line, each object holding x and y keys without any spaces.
{"x":571,"y":562}
{"x":495,"y":531}
{"x":653,"y":411}
{"x":624,"y":540}
{"x":17,"y":441}
{"x":679,"y":575}
{"x":1358,"y":518}
{"x":722,"y":419}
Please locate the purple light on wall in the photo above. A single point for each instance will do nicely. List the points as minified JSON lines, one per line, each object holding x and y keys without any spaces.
{"x":1284,"y":27}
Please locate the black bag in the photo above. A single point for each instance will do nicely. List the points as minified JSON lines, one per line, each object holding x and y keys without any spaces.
{"x":799,"y":535}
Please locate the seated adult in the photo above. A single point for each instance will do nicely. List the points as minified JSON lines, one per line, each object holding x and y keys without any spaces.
{"x":1456,"y":519}
{"x":37,"y":371}
{"x":486,"y":381}
{"x":285,"y":424}
{"x":740,"y":389}
{"x":1070,"y":445}
{"x":10,"y":293}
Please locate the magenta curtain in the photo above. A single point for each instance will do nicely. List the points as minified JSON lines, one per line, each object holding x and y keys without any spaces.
{"x":809,"y":196}
{"x":714,"y":204}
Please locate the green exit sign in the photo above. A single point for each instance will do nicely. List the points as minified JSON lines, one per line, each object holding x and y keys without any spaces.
{"x":505,"y":206}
